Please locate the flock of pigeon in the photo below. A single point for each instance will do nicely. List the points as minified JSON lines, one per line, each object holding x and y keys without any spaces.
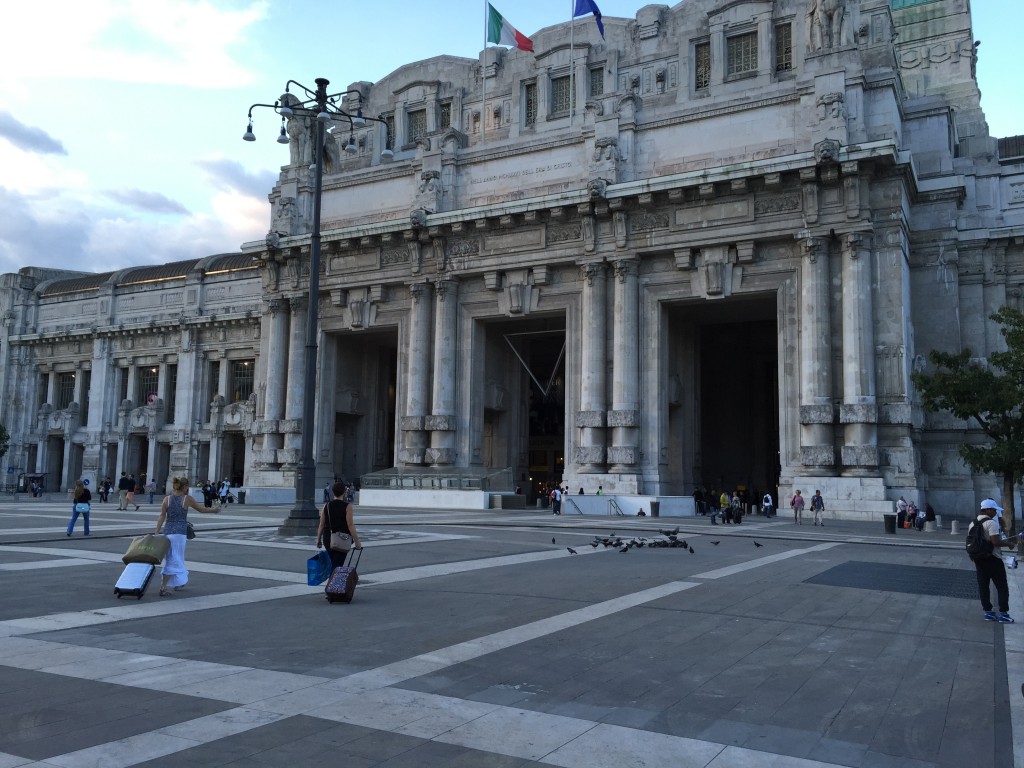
{"x":670,"y":540}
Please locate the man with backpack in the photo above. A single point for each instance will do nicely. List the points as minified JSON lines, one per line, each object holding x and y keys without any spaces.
{"x":983,"y":539}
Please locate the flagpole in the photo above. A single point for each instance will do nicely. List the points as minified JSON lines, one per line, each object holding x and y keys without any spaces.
{"x":572,"y":65}
{"x":483,"y":79}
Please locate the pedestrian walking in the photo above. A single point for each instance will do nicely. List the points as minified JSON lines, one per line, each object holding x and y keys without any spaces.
{"x":797,"y":504}
{"x":767,"y":503}
{"x":983,"y":539}
{"x":173,"y":523}
{"x":81,"y":501}
{"x":123,"y":486}
{"x":818,"y":507}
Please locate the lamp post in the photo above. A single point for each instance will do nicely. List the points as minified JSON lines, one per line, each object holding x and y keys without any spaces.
{"x":303,"y":519}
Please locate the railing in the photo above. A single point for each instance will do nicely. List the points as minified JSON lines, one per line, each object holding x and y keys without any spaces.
{"x":567,"y":500}
{"x":613,"y":508}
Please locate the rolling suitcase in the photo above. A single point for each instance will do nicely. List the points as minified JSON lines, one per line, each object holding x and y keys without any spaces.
{"x":134,"y":580}
{"x":341,"y":586}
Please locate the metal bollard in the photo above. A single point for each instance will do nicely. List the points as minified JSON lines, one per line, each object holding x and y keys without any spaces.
{"x":954,"y":527}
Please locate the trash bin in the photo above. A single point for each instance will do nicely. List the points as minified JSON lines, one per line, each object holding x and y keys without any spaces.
{"x":890,"y":523}
{"x":655,"y":507}
{"x":241,"y":496}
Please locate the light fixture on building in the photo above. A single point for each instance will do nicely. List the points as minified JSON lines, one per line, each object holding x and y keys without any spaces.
{"x":304,"y":517}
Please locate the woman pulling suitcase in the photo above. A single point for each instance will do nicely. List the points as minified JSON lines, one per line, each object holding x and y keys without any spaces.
{"x":174,"y":522}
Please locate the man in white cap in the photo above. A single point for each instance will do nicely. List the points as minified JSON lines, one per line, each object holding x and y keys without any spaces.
{"x":988,"y":565}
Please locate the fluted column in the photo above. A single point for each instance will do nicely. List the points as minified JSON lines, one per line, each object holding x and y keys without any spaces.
{"x":277,"y":367}
{"x":624,"y":416}
{"x":417,"y":404}
{"x":441,"y":422}
{"x":590,"y":419}
{"x":859,"y":411}
{"x":817,"y":412}
{"x":296,"y":376}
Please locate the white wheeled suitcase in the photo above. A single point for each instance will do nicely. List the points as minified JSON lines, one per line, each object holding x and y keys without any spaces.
{"x":134,"y":580}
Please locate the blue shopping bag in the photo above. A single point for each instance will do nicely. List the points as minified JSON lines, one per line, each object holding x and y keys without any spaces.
{"x":318,"y":568}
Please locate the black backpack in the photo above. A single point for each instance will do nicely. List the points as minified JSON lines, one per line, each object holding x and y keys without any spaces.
{"x":978,"y":542}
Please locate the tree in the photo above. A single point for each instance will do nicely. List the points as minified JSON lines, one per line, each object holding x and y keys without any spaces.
{"x":991,"y":395}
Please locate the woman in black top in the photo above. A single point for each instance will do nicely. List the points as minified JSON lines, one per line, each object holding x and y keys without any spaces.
{"x":83,"y":496}
{"x":336,"y":517}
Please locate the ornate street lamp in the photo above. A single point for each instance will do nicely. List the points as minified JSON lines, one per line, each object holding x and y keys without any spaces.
{"x":304,"y":516}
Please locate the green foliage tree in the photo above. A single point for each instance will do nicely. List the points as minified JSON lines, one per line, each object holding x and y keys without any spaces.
{"x":992,"y":396}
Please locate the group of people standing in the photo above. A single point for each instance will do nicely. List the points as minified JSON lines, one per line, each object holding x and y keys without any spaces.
{"x":797,"y":503}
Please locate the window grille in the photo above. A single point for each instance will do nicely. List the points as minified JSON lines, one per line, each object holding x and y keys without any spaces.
{"x":417,"y":125}
{"x":389,"y":123}
{"x":560,"y":95}
{"x":596,"y":82}
{"x":530,"y":104}
{"x":445,"y":116}
{"x":86,"y":384}
{"x":701,"y":66}
{"x":148,"y":384}
{"x":65,"y":390}
{"x":741,"y":54}
{"x":242,"y":372}
{"x":171,"y":392}
{"x":783,"y":47}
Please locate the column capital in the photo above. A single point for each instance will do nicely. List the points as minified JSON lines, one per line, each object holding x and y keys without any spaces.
{"x":444,"y":287}
{"x":812,"y":247}
{"x":417,"y":291}
{"x":298,"y":304}
{"x":626,"y":268}
{"x":277,"y":305}
{"x":855,"y":242}
{"x":591,"y":271}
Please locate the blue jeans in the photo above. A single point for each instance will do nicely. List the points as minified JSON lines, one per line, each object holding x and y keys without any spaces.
{"x":74,"y":519}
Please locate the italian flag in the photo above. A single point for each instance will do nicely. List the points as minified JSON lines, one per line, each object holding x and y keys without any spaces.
{"x":501,"y":32}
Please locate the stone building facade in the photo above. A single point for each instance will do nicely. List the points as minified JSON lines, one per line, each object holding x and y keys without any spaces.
{"x":708,"y":250}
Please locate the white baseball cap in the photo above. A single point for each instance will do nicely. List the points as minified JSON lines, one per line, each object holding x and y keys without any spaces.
{"x":990,"y":504}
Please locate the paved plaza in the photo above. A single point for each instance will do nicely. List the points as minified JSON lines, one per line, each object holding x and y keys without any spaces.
{"x":479,"y":639}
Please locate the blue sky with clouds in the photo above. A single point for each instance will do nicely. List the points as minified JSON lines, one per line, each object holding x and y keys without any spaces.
{"x":121,"y":120}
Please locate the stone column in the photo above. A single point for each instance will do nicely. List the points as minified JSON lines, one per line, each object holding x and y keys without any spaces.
{"x":817,"y":413}
{"x":296,"y":374}
{"x":417,"y":404}
{"x":624,"y":416}
{"x":277,"y":370}
{"x":859,"y":411}
{"x":441,"y":422}
{"x":590,"y":419}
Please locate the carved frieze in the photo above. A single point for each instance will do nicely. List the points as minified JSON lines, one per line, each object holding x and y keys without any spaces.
{"x":461,"y":247}
{"x":773,"y":204}
{"x":564,"y":233}
{"x":645,"y":222}
{"x":390,"y":256}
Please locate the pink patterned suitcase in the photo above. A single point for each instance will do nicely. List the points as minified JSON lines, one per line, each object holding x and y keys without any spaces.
{"x":341,"y":586}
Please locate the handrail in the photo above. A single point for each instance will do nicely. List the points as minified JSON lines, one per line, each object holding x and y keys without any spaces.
{"x":567,"y":500}
{"x":613,"y":508}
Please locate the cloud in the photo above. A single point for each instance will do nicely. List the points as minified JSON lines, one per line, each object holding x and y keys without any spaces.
{"x":153,"y":202}
{"x":165,"y":42}
{"x":231,"y":175}
{"x":27,"y":138}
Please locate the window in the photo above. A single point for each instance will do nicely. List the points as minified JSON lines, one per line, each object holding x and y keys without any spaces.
{"x":242,"y":372}
{"x":86,"y":384}
{"x":560,"y":95}
{"x":596,"y":84}
{"x":148,"y":378}
{"x":701,"y":66}
{"x":530,"y":104}
{"x":42,"y":390}
{"x":444,"y":117}
{"x":417,"y":125}
{"x":170,"y":392}
{"x":783,"y":47}
{"x":741,"y":54}
{"x":213,"y":383}
{"x":65,"y":394}
{"x":122,"y":385}
{"x":389,"y":123}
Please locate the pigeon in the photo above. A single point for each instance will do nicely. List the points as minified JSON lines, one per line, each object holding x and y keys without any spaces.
{"x":758,"y":545}
{"x":684,"y":543}
{"x":716,"y":543}
{"x":673,"y":533}
{"x":691,"y":550}
{"x":624,"y":550}
{"x":552,"y":539}
{"x":593,"y":544}
{"x":571,"y":550}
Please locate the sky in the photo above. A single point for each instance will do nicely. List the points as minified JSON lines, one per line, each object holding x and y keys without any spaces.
{"x":121,"y":120}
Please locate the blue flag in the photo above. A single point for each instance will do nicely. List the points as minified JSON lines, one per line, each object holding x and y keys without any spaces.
{"x":583,"y":7}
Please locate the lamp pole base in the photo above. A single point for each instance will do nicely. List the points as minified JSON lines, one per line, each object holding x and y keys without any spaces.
{"x":302,"y":520}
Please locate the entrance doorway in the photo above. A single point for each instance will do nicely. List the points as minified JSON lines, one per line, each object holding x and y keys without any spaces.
{"x":724,"y":416}
{"x":523,"y":419}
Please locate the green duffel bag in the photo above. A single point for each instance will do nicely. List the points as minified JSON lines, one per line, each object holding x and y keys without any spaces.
{"x":150,"y":548}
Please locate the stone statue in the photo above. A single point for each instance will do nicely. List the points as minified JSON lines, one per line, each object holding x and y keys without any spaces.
{"x":285,"y":216}
{"x":825,"y":24}
{"x":301,"y":145}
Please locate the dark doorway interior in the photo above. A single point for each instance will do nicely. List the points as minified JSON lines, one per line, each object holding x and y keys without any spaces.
{"x":739,"y":399}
